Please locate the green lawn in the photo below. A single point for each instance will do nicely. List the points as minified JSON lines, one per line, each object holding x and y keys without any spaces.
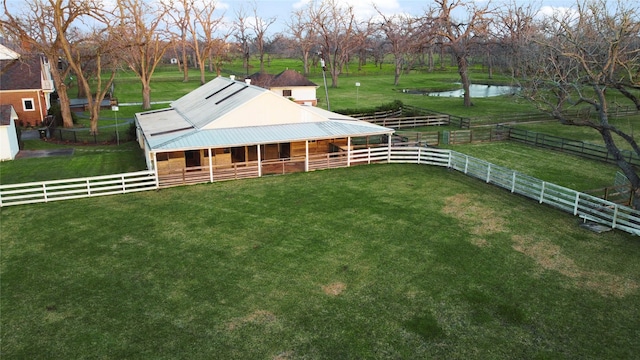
{"x":92,"y":160}
{"x":380,"y":261}
{"x":557,"y":167}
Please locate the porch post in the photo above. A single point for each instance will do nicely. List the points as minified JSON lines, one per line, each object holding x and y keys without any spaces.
{"x":154,"y":161}
{"x":306,"y":156}
{"x":259,"y":163}
{"x":210,"y":166}
{"x":348,"y":151}
{"x":389,"y":148}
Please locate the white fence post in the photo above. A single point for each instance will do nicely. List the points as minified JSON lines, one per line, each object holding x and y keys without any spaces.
{"x":44,"y":192}
{"x":542,"y":192}
{"x":513,"y":182}
{"x":488,"y":173}
{"x":88,"y":187}
{"x":210,"y":166}
{"x":466,"y":164}
{"x":615,"y":216}
{"x":575,"y":206}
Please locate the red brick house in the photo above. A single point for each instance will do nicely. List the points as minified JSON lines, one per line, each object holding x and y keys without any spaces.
{"x":26,"y":84}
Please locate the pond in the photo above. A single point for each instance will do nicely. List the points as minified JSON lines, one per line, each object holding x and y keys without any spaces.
{"x":476,"y":90}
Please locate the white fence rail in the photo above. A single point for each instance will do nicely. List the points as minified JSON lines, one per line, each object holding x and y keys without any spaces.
{"x":585,"y":206}
{"x":579,"y":204}
{"x":46,"y":191}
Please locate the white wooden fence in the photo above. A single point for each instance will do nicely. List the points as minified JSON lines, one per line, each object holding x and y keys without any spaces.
{"x":46,"y":191}
{"x":583,"y":205}
{"x":579,"y":204}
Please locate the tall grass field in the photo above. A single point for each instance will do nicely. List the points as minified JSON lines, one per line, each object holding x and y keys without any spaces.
{"x":385,"y":261}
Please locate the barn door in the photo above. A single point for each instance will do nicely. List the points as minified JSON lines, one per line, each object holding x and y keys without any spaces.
{"x":192,"y":158}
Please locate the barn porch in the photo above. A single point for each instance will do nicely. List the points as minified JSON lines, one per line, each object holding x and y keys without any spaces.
{"x":218,"y":164}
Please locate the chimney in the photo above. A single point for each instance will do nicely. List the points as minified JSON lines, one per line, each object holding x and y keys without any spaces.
{"x":232,"y":77}
{"x":248,"y":81}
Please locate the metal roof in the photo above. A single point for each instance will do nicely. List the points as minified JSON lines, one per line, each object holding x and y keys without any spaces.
{"x":184,"y":125}
{"x":252,"y":135}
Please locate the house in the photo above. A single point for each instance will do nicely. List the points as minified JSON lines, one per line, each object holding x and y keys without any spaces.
{"x":289,"y":84}
{"x":228,"y":129}
{"x":9,"y":145}
{"x":25,"y":83}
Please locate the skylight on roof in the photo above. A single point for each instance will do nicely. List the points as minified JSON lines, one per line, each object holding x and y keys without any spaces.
{"x":231,"y":95}
{"x":218,"y":91}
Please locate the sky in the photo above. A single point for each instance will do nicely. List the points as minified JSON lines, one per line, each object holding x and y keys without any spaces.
{"x":282,"y":9}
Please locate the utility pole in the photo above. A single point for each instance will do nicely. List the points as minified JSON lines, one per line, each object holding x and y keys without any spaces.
{"x":324,"y":77}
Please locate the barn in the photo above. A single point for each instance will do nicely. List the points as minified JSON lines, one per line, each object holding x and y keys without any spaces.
{"x":228,"y":129}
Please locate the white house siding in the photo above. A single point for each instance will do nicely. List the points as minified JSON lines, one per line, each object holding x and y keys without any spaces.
{"x":9,"y":146}
{"x":300,"y":94}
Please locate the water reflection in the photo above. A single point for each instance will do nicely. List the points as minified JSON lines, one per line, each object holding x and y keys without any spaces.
{"x":476,"y":91}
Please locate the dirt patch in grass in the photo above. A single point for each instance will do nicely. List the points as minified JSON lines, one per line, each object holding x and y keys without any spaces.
{"x":334,"y":289}
{"x":260,"y":317}
{"x":284,"y":356}
{"x":550,"y":257}
{"x":483,"y":220}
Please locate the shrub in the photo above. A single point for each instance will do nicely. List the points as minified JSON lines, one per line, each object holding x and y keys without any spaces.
{"x":56,"y":111}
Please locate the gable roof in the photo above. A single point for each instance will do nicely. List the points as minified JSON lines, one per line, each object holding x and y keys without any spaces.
{"x":8,"y":54}
{"x":283,"y":79}
{"x":24,"y":73}
{"x":6,"y":113}
{"x":227,"y":113}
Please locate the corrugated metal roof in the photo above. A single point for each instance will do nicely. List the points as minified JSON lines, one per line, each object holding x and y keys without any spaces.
{"x":213,"y":100}
{"x":267,"y":134}
{"x":183,"y":125}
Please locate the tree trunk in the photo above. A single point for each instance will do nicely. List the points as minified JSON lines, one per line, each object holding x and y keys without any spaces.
{"x":185,"y":65}
{"x":490,"y":65}
{"x":81,"y":91}
{"x":94,"y":120}
{"x":305,"y":62}
{"x":627,"y":169}
{"x":146,"y":95}
{"x":65,"y":107}
{"x":261,"y":62}
{"x":63,"y":97}
{"x":464,"y":78}
{"x":398,"y":71}
{"x":202,"y":66}
{"x":430,"y":57}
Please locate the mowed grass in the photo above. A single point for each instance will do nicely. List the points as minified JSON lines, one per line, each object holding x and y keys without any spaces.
{"x":381,"y":261}
{"x":557,"y":167}
{"x":85,"y":161}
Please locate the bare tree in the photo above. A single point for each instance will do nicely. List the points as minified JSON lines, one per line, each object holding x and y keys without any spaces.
{"x":219,"y":53}
{"x":515,"y":30}
{"x":51,"y":27}
{"x":302,"y":29}
{"x":92,"y":57}
{"x":241,"y":33}
{"x":180,"y":27}
{"x":588,"y":55}
{"x":259,"y":26}
{"x":337,"y":29}
{"x":462,"y":36}
{"x":44,"y":25}
{"x":203,"y":30}
{"x":142,"y":43}
{"x":403,"y":36}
